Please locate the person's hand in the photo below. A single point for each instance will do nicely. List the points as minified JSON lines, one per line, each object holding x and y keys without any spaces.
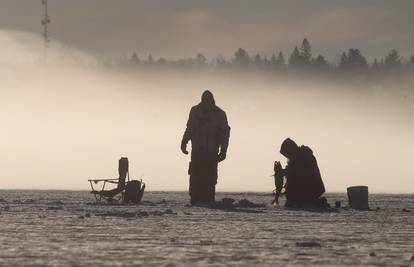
{"x":277,"y":167}
{"x":222,"y":156}
{"x":184,"y":148}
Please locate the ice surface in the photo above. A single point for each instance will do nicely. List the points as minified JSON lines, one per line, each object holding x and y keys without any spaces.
{"x":64,"y":228}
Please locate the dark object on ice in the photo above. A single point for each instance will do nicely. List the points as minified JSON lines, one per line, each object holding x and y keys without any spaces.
{"x":338,"y":204}
{"x":143,"y":214}
{"x":128,"y":191}
{"x":134,"y":191}
{"x":169,"y":211}
{"x":138,"y":214}
{"x":372,"y":254}
{"x":308,"y":244}
{"x":406,"y":210}
{"x":227,"y":202}
{"x":55,"y":208}
{"x":209,"y":133}
{"x":304,"y":185}
{"x":358,"y":197}
{"x":245,"y":203}
{"x":206,"y":242}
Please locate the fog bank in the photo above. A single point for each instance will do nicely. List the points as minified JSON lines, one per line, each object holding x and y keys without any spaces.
{"x":63,"y":123}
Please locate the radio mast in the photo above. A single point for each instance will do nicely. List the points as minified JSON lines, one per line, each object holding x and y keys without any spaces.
{"x":45,"y":21}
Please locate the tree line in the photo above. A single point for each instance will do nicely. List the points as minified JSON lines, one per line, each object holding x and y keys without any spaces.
{"x":300,"y":59}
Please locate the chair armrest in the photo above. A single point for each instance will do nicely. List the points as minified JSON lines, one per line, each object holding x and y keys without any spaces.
{"x":104,"y":180}
{"x":112,"y":182}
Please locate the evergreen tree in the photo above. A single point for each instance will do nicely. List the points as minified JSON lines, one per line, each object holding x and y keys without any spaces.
{"x":305,"y":52}
{"x":221,"y":61}
{"x":161,"y":61}
{"x":134,"y":59}
{"x":375,"y":65}
{"x":301,"y":57}
{"x":295,"y":58}
{"x":393,"y":59}
{"x":273,"y":61}
{"x":320,"y":63}
{"x":201,"y":59}
{"x":280,"y":61}
{"x":354,"y":60}
{"x":242,"y":58}
{"x":258,"y":60}
{"x":150,"y":59}
{"x":411,"y":61}
{"x":266,"y":62}
{"x":343,"y":61}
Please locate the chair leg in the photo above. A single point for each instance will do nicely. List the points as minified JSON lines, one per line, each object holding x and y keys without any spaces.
{"x":95,"y":195}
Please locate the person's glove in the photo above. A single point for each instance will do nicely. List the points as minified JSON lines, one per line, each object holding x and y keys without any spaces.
{"x":222,"y":156}
{"x":184,"y":148}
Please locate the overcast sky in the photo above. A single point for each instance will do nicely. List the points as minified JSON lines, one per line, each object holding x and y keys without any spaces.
{"x":178,"y":28}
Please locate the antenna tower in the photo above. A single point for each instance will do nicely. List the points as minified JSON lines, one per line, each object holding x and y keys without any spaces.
{"x":45,"y":21}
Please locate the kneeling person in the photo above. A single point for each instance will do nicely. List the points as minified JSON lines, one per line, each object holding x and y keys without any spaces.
{"x":304,"y":185}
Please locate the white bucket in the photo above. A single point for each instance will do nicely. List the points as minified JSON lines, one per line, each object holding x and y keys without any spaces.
{"x":358,"y":197}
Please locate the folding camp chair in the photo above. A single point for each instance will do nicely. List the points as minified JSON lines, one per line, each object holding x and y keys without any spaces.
{"x":134,"y":189}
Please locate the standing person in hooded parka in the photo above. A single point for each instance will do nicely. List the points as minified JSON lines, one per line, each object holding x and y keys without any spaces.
{"x":209,"y":133}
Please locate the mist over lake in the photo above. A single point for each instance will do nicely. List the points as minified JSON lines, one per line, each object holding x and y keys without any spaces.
{"x":66,"y":123}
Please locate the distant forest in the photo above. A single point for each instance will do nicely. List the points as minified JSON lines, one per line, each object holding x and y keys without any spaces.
{"x":301,"y":59}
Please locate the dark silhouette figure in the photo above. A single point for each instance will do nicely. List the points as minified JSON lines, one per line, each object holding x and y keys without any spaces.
{"x":209,"y":132}
{"x":304,"y":185}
